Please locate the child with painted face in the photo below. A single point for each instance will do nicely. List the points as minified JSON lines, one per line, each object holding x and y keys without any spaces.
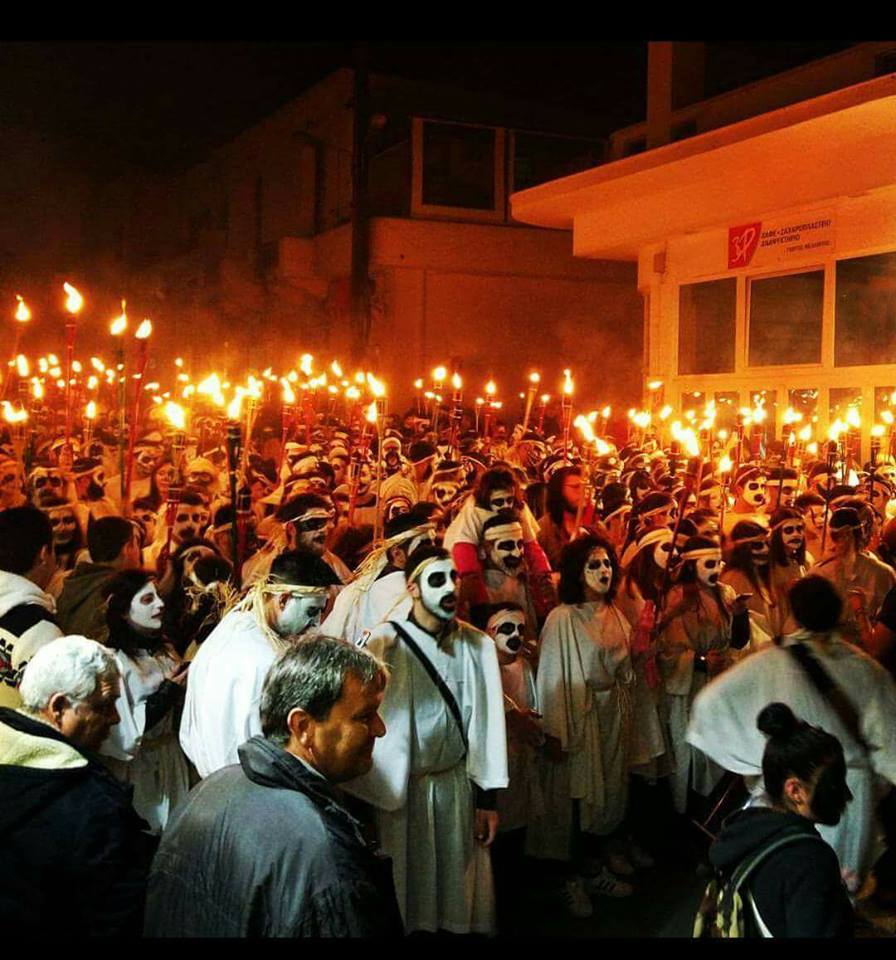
{"x":585,"y":680}
{"x":142,"y":749}
{"x":704,"y":618}
{"x":747,"y":572}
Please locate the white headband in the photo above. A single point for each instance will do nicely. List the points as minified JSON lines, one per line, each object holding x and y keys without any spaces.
{"x":702,"y":553}
{"x":502,"y":530}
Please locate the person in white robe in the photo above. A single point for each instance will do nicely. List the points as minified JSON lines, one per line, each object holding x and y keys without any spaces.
{"x":723,"y":718}
{"x":443,"y":756}
{"x":378,"y":591}
{"x":221,"y":710}
{"x":506,"y":572}
{"x":142,"y":748}
{"x":584,"y":684}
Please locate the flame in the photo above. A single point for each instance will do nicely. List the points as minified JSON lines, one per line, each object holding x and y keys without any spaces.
{"x":370,"y":412}
{"x":93,"y":382}
{"x":581,"y":423}
{"x":11,"y":415}
{"x":490,"y":389}
{"x":418,"y":384}
{"x":37,"y":389}
{"x":255,"y":388}
{"x":534,"y":378}
{"x":22,"y":367}
{"x":722,"y":435}
{"x":73,"y":301}
{"x":377,"y":387}
{"x":887,"y":417}
{"x":289,"y":395}
{"x":439,"y":374}
{"x":654,"y":385}
{"x":605,"y":413}
{"x":479,"y":401}
{"x":791,"y":416}
{"x":359,"y":378}
{"x":545,"y":399}
{"x":456,"y":381}
{"x":806,"y":433}
{"x":877,"y":430}
{"x":211,"y":387}
{"x":687,"y":438}
{"x":305,"y":362}
{"x":836,"y":428}
{"x":642,"y":419}
{"x":853,"y":418}
{"x":188,"y":391}
{"x":352,"y":393}
{"x":333,"y":390}
{"x":56,"y":372}
{"x":53,"y":359}
{"x":23,"y":314}
{"x":665,"y":413}
{"x":567,"y":383}
{"x":235,"y":405}
{"x":144,"y":330}
{"x":76,"y":366}
{"x":336,"y":368}
{"x":178,"y":362}
{"x":725,"y":464}
{"x":176,"y":415}
{"x":812,"y":448}
{"x":97,"y":364}
{"x":90,"y":410}
{"x":118,"y":326}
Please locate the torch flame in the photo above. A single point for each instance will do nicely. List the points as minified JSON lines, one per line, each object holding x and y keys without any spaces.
{"x":654,"y":385}
{"x":725,"y":464}
{"x":289,"y":395}
{"x":37,"y":389}
{"x":305,"y":364}
{"x":439,"y":374}
{"x":120,"y":323}
{"x":11,"y":415}
{"x":877,"y":430}
{"x":581,"y":423}
{"x":545,"y":398}
{"x":887,"y":417}
{"x":605,"y":413}
{"x":377,"y":387}
{"x":853,"y":418}
{"x":534,"y":378}
{"x":73,"y":301}
{"x":144,"y":330}
{"x":836,"y":428}
{"x":666,"y":412}
{"x":370,"y":412}
{"x":176,"y":415}
{"x":456,"y":381}
{"x":93,"y":382}
{"x":567,"y":383}
{"x":336,"y":369}
{"x":23,"y":314}
{"x":791,"y":416}
{"x":352,"y":393}
{"x":22,"y":367}
{"x":90,"y":410}
{"x":418,"y":384}
{"x":806,"y":433}
{"x":235,"y":405}
{"x":491,"y":389}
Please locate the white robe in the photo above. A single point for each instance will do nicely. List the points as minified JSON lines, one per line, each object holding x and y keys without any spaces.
{"x":522,"y":801}
{"x":584,"y":683}
{"x":723,"y":725}
{"x":357,"y":609}
{"x":151,"y":760}
{"x":224,"y":692}
{"x":466,"y":527}
{"x":420,"y":783}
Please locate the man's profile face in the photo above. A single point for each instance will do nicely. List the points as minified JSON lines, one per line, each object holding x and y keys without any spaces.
{"x":572,"y":491}
{"x":343,"y":742}
{"x":88,"y":724}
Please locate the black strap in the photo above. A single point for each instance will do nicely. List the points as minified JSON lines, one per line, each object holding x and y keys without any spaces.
{"x":828,"y":688}
{"x":436,"y":678}
{"x":22,"y":618}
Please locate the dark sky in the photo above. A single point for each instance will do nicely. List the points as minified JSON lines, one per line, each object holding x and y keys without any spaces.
{"x":163,"y":105}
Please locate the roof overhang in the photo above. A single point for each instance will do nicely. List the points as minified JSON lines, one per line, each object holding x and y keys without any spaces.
{"x":840,"y":144}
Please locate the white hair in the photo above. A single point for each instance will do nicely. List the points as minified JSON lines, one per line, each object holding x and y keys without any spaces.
{"x":72,"y":666}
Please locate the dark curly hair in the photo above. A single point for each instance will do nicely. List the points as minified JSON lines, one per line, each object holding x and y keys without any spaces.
{"x":497,"y":478}
{"x":572,"y":566}
{"x":118,"y":594}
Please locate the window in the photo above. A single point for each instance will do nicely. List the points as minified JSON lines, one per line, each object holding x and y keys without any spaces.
{"x":842,"y":400}
{"x":805,"y":402}
{"x":631,"y":147}
{"x":458,"y":166}
{"x":884,"y":400}
{"x":727,"y":405}
{"x":785,"y":319}
{"x":683,"y":130}
{"x":865,"y":331}
{"x":766,"y":400}
{"x":538,"y":158}
{"x":706,"y":326}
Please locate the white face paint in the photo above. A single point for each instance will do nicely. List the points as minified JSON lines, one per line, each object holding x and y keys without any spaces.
{"x":599,"y":571}
{"x":501,"y":500}
{"x":793,"y":536}
{"x":438,"y":589}
{"x":301,"y":612}
{"x":754,"y":491}
{"x":506,"y":552}
{"x":661,"y":553}
{"x":507,"y":628}
{"x":145,"y":613}
{"x":709,"y":569}
{"x":445,"y":492}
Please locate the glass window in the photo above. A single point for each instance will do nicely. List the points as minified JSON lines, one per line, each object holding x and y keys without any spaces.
{"x":458,"y":166}
{"x":884,"y":399}
{"x":785,"y":319}
{"x":706,"y":326}
{"x":766,"y":400}
{"x":865,"y":331}
{"x":727,"y":405}
{"x":841,"y":400}
{"x":538,"y":158}
{"x":692,"y":406}
{"x":805,"y":402}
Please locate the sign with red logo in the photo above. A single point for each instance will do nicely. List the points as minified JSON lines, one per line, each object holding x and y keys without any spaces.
{"x":808,"y":237}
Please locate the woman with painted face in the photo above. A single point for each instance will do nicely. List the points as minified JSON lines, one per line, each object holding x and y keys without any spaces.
{"x":585,"y":681}
{"x":656,"y":510}
{"x":796,"y":889}
{"x":187,"y":615}
{"x":703,"y":619}
{"x":788,"y":562}
{"x":160,"y":479}
{"x":747,"y":572}
{"x":67,"y":540}
{"x":142,"y":749}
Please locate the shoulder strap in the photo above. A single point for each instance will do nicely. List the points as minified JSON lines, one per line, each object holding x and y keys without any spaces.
{"x":827,"y":687}
{"x":22,"y":618}
{"x":436,"y":678}
{"x":746,"y":868}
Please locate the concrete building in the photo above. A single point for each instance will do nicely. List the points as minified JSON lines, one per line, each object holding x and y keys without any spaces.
{"x":764,"y":235}
{"x":247,"y":256}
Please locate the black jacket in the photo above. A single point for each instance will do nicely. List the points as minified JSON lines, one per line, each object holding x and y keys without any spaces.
{"x":73,"y":857}
{"x":797,"y":889}
{"x":266,"y":849}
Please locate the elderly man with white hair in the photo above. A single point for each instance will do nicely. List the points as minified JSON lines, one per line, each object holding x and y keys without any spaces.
{"x":74,"y":857}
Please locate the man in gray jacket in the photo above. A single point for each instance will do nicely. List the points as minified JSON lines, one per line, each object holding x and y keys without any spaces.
{"x":267,"y":848}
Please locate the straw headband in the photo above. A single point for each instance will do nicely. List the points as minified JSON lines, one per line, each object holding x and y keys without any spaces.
{"x":702,"y":553}
{"x":428,"y":562}
{"x":502,"y":616}
{"x":626,"y":507}
{"x":655,"y":511}
{"x":502,"y":530}
{"x":253,"y":602}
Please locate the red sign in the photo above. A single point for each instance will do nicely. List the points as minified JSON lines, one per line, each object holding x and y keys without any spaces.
{"x":742,"y":244}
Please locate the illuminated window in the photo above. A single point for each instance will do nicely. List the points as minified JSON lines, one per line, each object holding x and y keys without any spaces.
{"x":841,"y":400}
{"x":864,"y":326}
{"x":785,"y":319}
{"x":727,"y":405}
{"x":884,"y":399}
{"x":766,"y":400}
{"x":706,"y":326}
{"x":804,"y":401}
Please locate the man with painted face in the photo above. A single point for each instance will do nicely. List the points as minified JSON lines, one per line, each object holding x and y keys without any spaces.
{"x":227,"y":674}
{"x":11,"y":484}
{"x":747,"y":572}
{"x":788,"y":562}
{"x":444,"y":755}
{"x":67,"y":540}
{"x":723,"y":716}
{"x":190,"y":521}
{"x":148,"y":450}
{"x":87,"y":490}
{"x":378,"y":591}
{"x":45,"y":483}
{"x":506,"y":573}
{"x":782,"y":488}
{"x":751,"y":496}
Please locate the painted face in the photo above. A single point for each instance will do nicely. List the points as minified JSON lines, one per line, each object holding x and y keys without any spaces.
{"x":438,"y":589}
{"x":508,"y":629}
{"x":531,"y":452}
{"x":501,"y":500}
{"x":506,"y":552}
{"x":145,"y":613}
{"x":200,"y":478}
{"x":661,"y":554}
{"x":45,"y":484}
{"x":788,"y":492}
{"x":164,"y":478}
{"x":189,"y":522}
{"x":64,"y":525}
{"x":301,"y":612}
{"x":9,"y":479}
{"x":572,"y":492}
{"x":445,"y":492}
{"x":793,"y":536}
{"x":145,"y":459}
{"x":709,"y":569}
{"x":755,"y":491}
{"x":759,"y":552}
{"x":312,"y":531}
{"x":599,"y":571}
{"x":396,"y":507}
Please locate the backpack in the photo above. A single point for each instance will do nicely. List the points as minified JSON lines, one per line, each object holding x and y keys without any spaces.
{"x":721,"y":911}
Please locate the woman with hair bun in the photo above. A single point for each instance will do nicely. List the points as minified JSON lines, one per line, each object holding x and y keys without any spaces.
{"x":795,"y":890}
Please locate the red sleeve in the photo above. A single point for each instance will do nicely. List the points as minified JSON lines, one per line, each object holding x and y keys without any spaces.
{"x":469,"y":566}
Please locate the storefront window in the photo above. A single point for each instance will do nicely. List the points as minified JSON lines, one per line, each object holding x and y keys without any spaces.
{"x":727,"y":405}
{"x":706,"y":326}
{"x":864,"y":328}
{"x":841,"y":400}
{"x":785,"y":319}
{"x":766,"y":400}
{"x":458,"y":166}
{"x":884,"y":400}
{"x":804,"y":401}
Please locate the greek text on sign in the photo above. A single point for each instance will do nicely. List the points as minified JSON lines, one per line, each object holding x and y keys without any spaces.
{"x":765,"y":242}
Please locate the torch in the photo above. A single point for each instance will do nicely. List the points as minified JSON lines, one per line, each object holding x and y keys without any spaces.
{"x":545,"y":400}
{"x":234,"y":451}
{"x":287,"y":412}
{"x":370,"y":417}
{"x":831,"y":459}
{"x":438,"y":380}
{"x":490,"y":391}
{"x":142,"y":336}
{"x":378,"y":389}
{"x":566,"y":408}
{"x":877,"y":431}
{"x":37,"y":393}
{"x":117,"y":329}
{"x":89,"y":417}
{"x":534,"y":380}
{"x":725,"y":466}
{"x":23,"y":315}
{"x":73,"y":304}
{"x":457,"y":412}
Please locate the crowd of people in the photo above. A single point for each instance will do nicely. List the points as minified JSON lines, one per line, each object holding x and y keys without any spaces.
{"x":359,"y":699}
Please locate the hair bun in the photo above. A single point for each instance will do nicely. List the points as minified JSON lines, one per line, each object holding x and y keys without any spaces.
{"x":777,"y":721}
